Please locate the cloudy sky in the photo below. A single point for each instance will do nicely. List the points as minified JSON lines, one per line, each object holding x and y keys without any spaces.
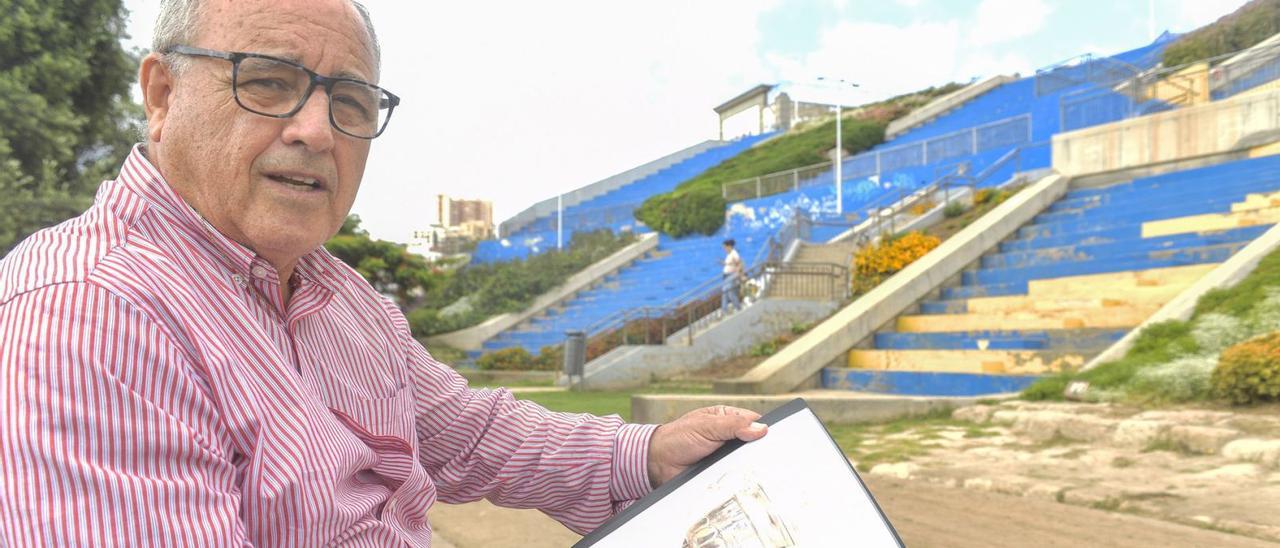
{"x":516,"y":101}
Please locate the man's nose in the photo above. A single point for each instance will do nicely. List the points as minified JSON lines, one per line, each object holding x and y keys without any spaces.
{"x":310,"y":126}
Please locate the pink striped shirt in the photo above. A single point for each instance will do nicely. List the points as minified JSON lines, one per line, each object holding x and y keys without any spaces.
{"x":154,"y":389}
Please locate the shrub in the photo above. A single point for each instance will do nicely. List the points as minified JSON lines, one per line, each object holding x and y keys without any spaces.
{"x":550,"y":358}
{"x":954,"y":209}
{"x":497,"y":288}
{"x":767,"y":348}
{"x":873,"y":264}
{"x":1249,"y":372}
{"x":447,"y":355}
{"x":700,"y":211}
{"x":922,"y":207}
{"x":1183,"y":379}
{"x":507,"y":359}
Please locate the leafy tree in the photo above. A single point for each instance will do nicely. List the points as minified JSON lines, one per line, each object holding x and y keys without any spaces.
{"x":66,"y":118}
{"x":388,"y":266}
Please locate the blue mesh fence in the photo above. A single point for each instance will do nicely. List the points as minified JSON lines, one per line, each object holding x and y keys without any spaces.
{"x":1097,"y":107}
{"x":949,"y":146}
{"x":900,"y":157}
{"x":1005,"y":133}
{"x":862,"y":165}
{"x":1263,"y":73}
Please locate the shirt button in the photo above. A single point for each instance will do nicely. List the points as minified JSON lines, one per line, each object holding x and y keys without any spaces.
{"x":259,"y":272}
{"x":238,"y":280}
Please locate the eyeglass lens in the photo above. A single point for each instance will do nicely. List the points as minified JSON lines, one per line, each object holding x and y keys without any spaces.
{"x":274,"y":88}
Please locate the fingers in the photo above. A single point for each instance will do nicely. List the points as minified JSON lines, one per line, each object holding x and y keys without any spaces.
{"x":729,"y":410}
{"x":729,"y":423}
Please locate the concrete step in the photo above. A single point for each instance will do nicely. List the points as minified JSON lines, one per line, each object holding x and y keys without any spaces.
{"x":1103,"y":317}
{"x":1222,"y":221}
{"x":1257,"y":201}
{"x":1116,"y":249}
{"x":1084,"y":340}
{"x":1137,"y":261}
{"x":1016,"y":362}
{"x":923,"y":383}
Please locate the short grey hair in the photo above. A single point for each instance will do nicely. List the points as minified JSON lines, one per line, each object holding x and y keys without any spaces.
{"x":179,"y":21}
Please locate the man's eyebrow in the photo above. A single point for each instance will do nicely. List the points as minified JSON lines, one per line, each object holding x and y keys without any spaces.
{"x":347,"y":74}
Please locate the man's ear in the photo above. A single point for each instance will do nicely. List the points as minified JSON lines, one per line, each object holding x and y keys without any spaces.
{"x":157,"y":93}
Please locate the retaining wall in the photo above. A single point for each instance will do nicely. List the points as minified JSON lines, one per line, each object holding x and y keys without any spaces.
{"x":1207,"y":129}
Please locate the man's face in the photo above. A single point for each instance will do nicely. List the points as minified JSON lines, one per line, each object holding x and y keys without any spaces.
{"x":235,"y":167}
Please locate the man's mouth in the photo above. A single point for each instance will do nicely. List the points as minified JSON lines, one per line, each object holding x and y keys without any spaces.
{"x":297,"y":181}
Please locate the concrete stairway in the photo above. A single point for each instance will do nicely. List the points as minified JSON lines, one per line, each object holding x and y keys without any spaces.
{"x":1067,"y":285}
{"x":807,"y":279}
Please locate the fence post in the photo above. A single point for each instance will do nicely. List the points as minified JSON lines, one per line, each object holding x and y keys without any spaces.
{"x":688,"y":326}
{"x":795,"y":179}
{"x":758,"y":187}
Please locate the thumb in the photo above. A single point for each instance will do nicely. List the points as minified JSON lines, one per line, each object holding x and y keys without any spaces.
{"x":727,"y":427}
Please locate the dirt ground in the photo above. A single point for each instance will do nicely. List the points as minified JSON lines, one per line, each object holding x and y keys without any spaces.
{"x":925,"y":515}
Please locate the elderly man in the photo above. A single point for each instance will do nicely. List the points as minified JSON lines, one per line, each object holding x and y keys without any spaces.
{"x":184,"y":364}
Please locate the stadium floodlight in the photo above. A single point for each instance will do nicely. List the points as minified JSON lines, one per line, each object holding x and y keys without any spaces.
{"x":839,"y":156}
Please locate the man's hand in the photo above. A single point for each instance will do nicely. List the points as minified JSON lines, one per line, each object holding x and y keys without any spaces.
{"x":685,"y":441}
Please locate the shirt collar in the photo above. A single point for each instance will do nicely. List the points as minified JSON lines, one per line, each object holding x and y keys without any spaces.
{"x":140,"y":177}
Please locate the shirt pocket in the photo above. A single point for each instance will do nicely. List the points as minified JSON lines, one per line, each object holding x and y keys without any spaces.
{"x":383,"y":423}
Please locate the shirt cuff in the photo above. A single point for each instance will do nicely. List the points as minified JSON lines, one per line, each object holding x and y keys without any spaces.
{"x":630,"y":478}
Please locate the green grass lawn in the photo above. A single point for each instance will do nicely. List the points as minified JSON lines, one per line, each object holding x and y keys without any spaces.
{"x":608,"y":402}
{"x":595,"y":403}
{"x":850,"y":437}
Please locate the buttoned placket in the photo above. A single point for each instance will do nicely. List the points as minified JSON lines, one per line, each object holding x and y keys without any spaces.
{"x":266,"y":290}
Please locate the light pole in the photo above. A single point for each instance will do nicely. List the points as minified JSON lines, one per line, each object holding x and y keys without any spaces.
{"x":839,"y":156}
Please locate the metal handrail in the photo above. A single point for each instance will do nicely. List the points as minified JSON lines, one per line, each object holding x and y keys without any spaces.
{"x":772,"y":252}
{"x":688,"y":316}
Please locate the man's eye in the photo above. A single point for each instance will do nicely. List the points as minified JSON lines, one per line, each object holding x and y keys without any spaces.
{"x":268,"y":84}
{"x":357,"y":106}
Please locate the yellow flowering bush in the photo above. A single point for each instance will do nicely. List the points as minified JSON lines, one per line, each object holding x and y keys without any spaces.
{"x":921,"y":207}
{"x":872,"y":264}
{"x":1249,"y":372}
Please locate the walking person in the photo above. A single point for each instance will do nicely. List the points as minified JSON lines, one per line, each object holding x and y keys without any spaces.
{"x":729,"y":288}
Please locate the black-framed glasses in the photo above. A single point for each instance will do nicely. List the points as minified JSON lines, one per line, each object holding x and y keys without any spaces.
{"x":278,"y":88}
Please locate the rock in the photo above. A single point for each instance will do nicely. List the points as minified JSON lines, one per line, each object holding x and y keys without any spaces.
{"x":900,"y":470}
{"x":1084,"y":497}
{"x":1139,"y":433}
{"x":979,"y":484}
{"x":1045,"y":491}
{"x":1088,"y":428}
{"x":1010,"y":486}
{"x":974,"y":413}
{"x":1239,"y":472}
{"x":1041,"y":425}
{"x":1006,"y":416}
{"x":1264,"y":452}
{"x":1205,"y":440}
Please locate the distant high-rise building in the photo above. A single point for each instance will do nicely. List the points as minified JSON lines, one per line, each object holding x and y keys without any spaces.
{"x":471,"y":218}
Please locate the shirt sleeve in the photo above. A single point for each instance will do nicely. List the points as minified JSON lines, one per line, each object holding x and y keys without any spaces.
{"x":105,"y":438}
{"x":577,"y":468}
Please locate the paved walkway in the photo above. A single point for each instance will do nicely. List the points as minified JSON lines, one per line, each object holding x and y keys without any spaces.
{"x":926,"y":515}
